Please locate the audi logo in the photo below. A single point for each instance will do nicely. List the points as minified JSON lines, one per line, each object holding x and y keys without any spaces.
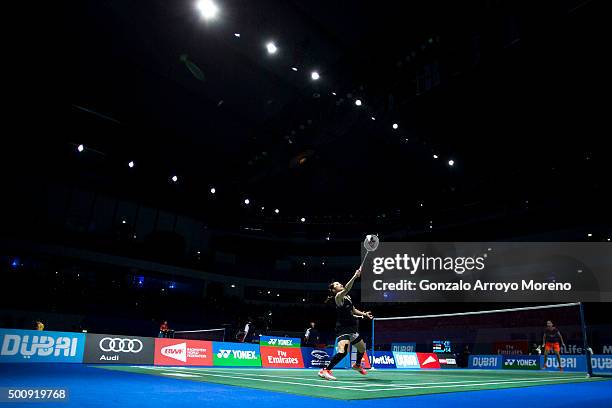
{"x":119,"y":345}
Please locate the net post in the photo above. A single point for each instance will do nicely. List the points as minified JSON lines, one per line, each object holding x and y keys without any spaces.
{"x":372,"y":355}
{"x":585,"y":344}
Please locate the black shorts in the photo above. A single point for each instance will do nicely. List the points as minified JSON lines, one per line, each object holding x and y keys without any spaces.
{"x":354,"y":337}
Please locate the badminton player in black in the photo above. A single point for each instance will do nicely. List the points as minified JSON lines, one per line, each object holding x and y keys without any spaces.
{"x":347,"y":326}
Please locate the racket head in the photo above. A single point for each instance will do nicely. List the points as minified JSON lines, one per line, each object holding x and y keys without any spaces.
{"x":371,"y":242}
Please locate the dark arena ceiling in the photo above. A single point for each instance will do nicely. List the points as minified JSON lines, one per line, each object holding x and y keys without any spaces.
{"x":506,"y":91}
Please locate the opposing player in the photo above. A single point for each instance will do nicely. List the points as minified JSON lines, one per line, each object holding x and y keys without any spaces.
{"x":347,"y":326}
{"x":551,"y":340}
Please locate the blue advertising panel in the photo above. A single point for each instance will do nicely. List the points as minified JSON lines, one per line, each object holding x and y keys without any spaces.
{"x":602,"y":363}
{"x":32,"y":346}
{"x":272,"y":341}
{"x":486,"y":362}
{"x":404,"y":347}
{"x":406,"y":360}
{"x":568,"y":363}
{"x":383,"y":359}
{"x":316,"y":358}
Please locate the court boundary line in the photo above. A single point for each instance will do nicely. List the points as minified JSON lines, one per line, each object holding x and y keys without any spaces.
{"x":477,"y":384}
{"x":276,"y":382}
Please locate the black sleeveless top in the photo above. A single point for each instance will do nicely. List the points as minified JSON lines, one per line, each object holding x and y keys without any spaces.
{"x":345,"y":321}
{"x":552,"y":335}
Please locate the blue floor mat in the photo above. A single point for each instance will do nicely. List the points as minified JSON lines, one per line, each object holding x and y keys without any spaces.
{"x":91,"y":387}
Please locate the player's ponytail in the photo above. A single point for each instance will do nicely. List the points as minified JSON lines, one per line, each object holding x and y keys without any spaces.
{"x":330,"y":293}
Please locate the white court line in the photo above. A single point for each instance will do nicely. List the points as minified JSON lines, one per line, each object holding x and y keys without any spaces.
{"x":313,"y":376}
{"x":180,"y":375}
{"x":346,"y":383}
{"x":201,"y":374}
{"x":510,"y":380}
{"x":429,"y":376}
{"x":469,"y":385}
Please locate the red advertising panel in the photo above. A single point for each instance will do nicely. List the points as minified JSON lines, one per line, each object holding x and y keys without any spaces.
{"x":285,"y":357}
{"x":511,"y":347}
{"x":183,"y":352}
{"x":428,"y":360}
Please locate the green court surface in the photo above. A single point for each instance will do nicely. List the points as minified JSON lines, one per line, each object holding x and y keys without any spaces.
{"x":353,"y":386}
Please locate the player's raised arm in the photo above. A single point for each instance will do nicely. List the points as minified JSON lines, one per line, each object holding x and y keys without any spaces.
{"x":349,"y":285}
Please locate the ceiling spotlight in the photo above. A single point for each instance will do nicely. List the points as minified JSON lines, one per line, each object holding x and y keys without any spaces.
{"x":294,"y":69}
{"x":131,"y":164}
{"x":123,"y":221}
{"x":213,"y":190}
{"x":358,"y":102}
{"x":373,"y":118}
{"x":268,"y":292}
{"x":303,"y":263}
{"x":263,"y":208}
{"x":80,"y":148}
{"x":333,"y":93}
{"x":271,"y":47}
{"x":589,"y":235}
{"x":278,"y":295}
{"x":276,"y":211}
{"x":315,"y":75}
{"x":208,"y":9}
{"x":395,"y":126}
{"x":435,"y":156}
{"x":247,"y":201}
{"x":303,"y":300}
{"x":237,"y":35}
{"x":174,"y":179}
{"x":451,"y":162}
{"x":232,"y":285}
{"x":303,"y":219}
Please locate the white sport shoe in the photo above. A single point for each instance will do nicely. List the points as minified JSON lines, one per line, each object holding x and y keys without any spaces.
{"x":327,"y":374}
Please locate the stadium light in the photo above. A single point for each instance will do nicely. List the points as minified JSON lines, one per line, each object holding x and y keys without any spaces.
{"x":271,"y":47}
{"x":315,"y":75}
{"x":208,"y":9}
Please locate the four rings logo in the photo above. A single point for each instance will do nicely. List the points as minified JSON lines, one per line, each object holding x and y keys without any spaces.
{"x":119,"y":345}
